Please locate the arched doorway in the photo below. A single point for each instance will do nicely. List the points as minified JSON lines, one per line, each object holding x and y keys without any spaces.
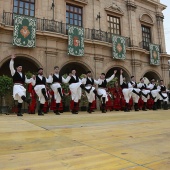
{"x":80,"y":68}
{"x":152,"y":75}
{"x":28,"y":66}
{"x":111,"y":71}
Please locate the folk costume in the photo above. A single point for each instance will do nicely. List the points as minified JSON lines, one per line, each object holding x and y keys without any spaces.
{"x":19,"y":92}
{"x":102,"y":85}
{"x":40,"y":89}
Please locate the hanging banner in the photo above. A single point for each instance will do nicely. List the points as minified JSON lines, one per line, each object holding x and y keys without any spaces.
{"x":75,"y":41}
{"x":154,"y":54}
{"x":119,"y":47}
{"x":24,"y":34}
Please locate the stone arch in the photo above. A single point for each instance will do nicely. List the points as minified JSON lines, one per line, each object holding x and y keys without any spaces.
{"x":146,"y":18}
{"x":29,"y":64}
{"x":81,"y":67}
{"x":150,"y":74}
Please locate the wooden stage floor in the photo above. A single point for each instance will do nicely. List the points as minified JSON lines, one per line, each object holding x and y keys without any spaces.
{"x":98,"y":141}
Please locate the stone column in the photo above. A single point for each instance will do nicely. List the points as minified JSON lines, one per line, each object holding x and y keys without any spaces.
{"x":161,"y":37}
{"x":131,"y":7}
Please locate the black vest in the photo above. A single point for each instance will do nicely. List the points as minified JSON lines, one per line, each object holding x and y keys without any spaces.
{"x":124,"y":85}
{"x":133,"y":83}
{"x":39,"y":81}
{"x":72,"y":80}
{"x":103,"y":85}
{"x":154,"y":87}
{"x":18,"y":79}
{"x":57,"y":79}
{"x":163,"y":88}
{"x":89,"y":82}
{"x":143,"y":87}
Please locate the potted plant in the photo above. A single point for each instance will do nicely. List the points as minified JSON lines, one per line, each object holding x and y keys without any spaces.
{"x":84,"y":102}
{"x":6,"y":85}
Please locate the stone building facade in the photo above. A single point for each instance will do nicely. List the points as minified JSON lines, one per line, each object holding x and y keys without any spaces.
{"x":141,"y":21}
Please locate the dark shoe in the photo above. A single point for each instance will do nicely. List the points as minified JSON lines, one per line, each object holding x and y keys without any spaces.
{"x":19,"y":114}
{"x":144,"y":109}
{"x":89,"y":111}
{"x":40,"y":113}
{"x":103,"y":111}
{"x":57,"y":112}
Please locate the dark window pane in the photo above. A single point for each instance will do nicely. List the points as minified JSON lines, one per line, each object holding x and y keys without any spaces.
{"x":67,"y":14}
{"x":71,"y":8}
{"x":71,"y":21}
{"x":75,"y":10}
{"x":15,"y":9}
{"x":71,"y":15}
{"x":26,"y":5}
{"x":75,"y":22}
{"x":80,"y":23}
{"x":26,"y":12}
{"x":32,"y":6}
{"x":31,"y":13}
{"x":75,"y":16}
{"x":20,"y":10}
{"x":21,"y":4}
{"x":15,"y":2}
{"x":79,"y":17}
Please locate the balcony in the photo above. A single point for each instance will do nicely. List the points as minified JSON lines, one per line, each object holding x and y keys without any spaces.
{"x":60,"y":27}
{"x":145,"y":45}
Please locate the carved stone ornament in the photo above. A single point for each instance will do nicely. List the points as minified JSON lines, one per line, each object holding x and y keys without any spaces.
{"x":115,"y":9}
{"x":146,"y":18}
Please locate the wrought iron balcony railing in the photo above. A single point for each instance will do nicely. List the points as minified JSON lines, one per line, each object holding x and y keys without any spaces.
{"x":145,"y":45}
{"x":61,"y":28}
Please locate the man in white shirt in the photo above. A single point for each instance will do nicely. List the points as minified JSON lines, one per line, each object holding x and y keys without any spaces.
{"x":102,"y":85}
{"x":132,"y":85}
{"x":39,"y":84}
{"x":154,"y":93}
{"x":144,"y":91}
{"x":163,"y":94}
{"x":19,"y":79}
{"x":89,"y":83}
{"x":57,"y":80}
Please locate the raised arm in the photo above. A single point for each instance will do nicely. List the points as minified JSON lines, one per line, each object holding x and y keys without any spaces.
{"x":121,"y":77}
{"x":112,"y":77}
{"x":11,"y":65}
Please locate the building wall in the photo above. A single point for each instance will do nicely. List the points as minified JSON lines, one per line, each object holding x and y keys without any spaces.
{"x":51,"y":48}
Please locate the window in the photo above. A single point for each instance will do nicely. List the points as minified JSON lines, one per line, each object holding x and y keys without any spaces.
{"x":146,"y":36}
{"x":73,"y":15}
{"x":114,"y":24}
{"x":24,"y":7}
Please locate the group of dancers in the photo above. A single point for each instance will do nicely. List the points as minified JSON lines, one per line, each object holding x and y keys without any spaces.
{"x":76,"y":85}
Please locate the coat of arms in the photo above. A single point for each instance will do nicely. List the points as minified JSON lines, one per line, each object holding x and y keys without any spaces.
{"x":24,"y":31}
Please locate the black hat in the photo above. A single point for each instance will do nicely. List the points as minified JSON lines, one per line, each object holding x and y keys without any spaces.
{"x":39,"y":69}
{"x":18,"y":65}
{"x":103,"y":74}
{"x":88,"y":72}
{"x":132,"y":77}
